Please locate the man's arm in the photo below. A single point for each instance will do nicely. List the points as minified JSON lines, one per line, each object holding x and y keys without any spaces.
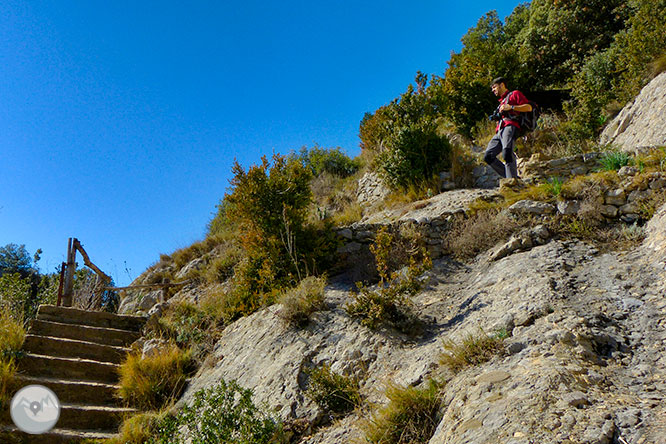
{"x":516,"y":102}
{"x":524,"y":108}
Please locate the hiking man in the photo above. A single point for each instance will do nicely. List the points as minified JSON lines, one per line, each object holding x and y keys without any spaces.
{"x":508,"y":115}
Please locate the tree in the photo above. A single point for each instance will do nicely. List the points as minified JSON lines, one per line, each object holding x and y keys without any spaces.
{"x":15,"y":259}
{"x":404,"y":139}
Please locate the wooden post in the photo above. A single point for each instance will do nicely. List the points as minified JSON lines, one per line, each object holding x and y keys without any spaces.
{"x":69,"y":274}
{"x":61,"y":284}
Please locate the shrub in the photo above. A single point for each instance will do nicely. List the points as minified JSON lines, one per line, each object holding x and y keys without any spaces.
{"x":389,"y":302}
{"x":327,"y":160}
{"x":337,"y":394}
{"x":189,"y":326}
{"x":269,"y":203}
{"x":404,"y":138}
{"x":299,"y":303}
{"x":411,"y":416}
{"x":472,"y":350}
{"x":225,"y":413}
{"x":151,"y":382}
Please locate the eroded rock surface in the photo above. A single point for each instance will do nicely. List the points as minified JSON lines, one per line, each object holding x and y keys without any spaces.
{"x":642,"y":123}
{"x":586,"y":358}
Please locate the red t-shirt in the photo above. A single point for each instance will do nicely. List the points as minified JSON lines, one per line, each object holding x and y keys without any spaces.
{"x":512,"y":98}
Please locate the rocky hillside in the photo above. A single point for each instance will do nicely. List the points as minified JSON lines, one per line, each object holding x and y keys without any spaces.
{"x":642,"y":123}
{"x":583,"y":361}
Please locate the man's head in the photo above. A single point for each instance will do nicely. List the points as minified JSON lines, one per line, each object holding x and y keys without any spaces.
{"x":499,"y":86}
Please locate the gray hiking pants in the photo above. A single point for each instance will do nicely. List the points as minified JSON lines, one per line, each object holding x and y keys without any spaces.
{"x":503,"y":142}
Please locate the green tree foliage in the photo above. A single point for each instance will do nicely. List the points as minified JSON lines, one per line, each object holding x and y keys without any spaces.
{"x":560,"y":35}
{"x":15,"y":259}
{"x":488,"y":51}
{"x":327,"y":160}
{"x":404,"y":139}
{"x":601,"y":50}
{"x":269,"y":205}
{"x":616,"y":74}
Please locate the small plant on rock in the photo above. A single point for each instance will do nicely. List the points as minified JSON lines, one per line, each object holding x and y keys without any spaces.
{"x":389,"y":302}
{"x":614,"y":160}
{"x":472,"y":350}
{"x":410,"y":417}
{"x":335,"y":393}
{"x":299,"y":303}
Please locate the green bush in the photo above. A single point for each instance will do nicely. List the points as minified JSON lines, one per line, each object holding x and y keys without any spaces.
{"x":404,"y":138}
{"x":327,"y":160}
{"x":337,"y":394}
{"x":411,"y":416}
{"x":225,"y":414}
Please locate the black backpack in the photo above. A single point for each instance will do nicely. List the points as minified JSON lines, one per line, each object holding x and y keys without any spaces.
{"x":529,"y":121}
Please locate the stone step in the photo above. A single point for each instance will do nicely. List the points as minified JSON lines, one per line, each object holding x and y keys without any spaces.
{"x":71,"y":348}
{"x":75,"y":392}
{"x":68,"y":315}
{"x":99,"y":335}
{"x":77,"y":417}
{"x":68,"y":368}
{"x":12,"y":435}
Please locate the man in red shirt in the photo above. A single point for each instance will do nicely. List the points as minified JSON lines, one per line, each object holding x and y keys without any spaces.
{"x":511,"y":105}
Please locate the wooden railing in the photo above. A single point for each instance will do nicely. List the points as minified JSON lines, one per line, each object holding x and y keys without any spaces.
{"x":66,"y":286}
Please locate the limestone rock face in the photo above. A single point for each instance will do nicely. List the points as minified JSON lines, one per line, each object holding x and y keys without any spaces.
{"x":585,"y":358}
{"x":642,"y":123}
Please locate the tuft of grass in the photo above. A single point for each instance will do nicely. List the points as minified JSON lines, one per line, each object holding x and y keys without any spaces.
{"x":12,"y":335}
{"x":336,"y":394}
{"x":410,"y":417}
{"x":472,"y":350}
{"x":299,"y":303}
{"x":7,"y":372}
{"x":348,"y":215}
{"x":590,"y":186}
{"x":424,"y":189}
{"x":554,"y":186}
{"x":614,"y":160}
{"x":472,"y":235}
{"x":152,"y":382}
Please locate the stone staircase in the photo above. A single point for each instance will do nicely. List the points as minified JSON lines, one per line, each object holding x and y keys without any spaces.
{"x":77,"y":354}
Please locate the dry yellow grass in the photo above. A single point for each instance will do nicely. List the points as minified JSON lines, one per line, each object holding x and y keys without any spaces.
{"x":150,"y":383}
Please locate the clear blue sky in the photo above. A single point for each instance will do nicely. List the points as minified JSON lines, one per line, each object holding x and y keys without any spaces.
{"x":119,"y":120}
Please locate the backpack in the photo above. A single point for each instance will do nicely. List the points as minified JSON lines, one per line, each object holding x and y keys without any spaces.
{"x":529,"y":121}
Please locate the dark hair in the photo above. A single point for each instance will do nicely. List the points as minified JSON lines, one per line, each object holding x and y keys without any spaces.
{"x":499,"y":80}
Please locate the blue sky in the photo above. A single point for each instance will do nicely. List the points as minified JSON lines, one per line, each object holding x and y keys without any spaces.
{"x":119,"y":121}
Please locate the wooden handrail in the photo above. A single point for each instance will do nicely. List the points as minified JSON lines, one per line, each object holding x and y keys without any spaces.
{"x":165,"y":285}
